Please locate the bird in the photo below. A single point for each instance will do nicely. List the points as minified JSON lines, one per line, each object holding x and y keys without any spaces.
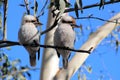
{"x":28,"y":34}
{"x":64,"y":36}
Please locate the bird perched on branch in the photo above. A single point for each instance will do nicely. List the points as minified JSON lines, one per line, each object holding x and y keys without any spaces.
{"x":28,"y":34}
{"x":64,"y":36}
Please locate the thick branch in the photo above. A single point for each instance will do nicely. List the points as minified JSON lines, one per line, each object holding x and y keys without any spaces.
{"x":93,"y":41}
{"x":50,"y":61}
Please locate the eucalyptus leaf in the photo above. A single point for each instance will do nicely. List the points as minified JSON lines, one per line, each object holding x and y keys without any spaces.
{"x":36,"y":7}
{"x":9,"y":77}
{"x":22,"y":5}
{"x":89,"y":69}
{"x":80,"y":5}
{"x":84,"y":77}
{"x":102,"y":2}
{"x":76,"y":10}
{"x":28,"y":74}
{"x":117,"y":45}
{"x":67,"y":3}
{"x":15,"y":62}
{"x":21,"y":77}
{"x":62,"y":6}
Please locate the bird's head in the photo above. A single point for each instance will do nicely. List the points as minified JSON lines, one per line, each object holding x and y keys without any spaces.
{"x":30,"y":19}
{"x":69,"y":20}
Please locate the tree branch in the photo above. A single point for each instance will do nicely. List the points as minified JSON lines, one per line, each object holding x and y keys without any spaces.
{"x":97,"y":18}
{"x":51,"y":27}
{"x":12,"y":43}
{"x":91,"y":6}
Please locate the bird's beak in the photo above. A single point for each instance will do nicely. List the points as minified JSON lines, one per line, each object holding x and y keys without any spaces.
{"x":37,"y":23}
{"x":75,"y":26}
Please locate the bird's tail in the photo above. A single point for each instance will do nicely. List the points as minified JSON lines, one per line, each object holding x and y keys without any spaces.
{"x":33,"y":60}
{"x":65,"y":63}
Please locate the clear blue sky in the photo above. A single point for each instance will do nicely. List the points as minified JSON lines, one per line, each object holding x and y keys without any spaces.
{"x":104,"y":58}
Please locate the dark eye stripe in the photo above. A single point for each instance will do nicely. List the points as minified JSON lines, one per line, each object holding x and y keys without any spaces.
{"x":30,"y":21}
{"x":67,"y":21}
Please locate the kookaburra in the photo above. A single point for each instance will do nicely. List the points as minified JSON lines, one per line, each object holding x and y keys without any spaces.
{"x":64,"y":36}
{"x":28,"y":34}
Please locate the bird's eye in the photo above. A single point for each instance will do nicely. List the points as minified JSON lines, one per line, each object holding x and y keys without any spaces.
{"x":32,"y":20}
{"x":66,"y":21}
{"x":26,"y":21}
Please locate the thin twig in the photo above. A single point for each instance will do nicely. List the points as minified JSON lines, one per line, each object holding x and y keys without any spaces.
{"x":54,"y":25}
{"x":42,"y":10}
{"x":5,"y":20}
{"x":27,"y":6}
{"x":91,"y":17}
{"x":12,"y":43}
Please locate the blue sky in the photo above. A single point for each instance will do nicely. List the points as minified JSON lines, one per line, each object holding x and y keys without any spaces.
{"x":103,"y":59}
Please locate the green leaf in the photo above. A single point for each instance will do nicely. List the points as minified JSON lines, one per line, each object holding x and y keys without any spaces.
{"x":79,"y":76}
{"x":8,"y":48}
{"x":67,"y":3}
{"x":7,"y":63}
{"x":56,"y":3}
{"x":28,"y":74}
{"x":32,"y":7}
{"x":4,"y":70}
{"x":76,"y":10}
{"x":9,"y":77}
{"x":62,"y":6}
{"x":21,"y":77}
{"x":22,"y":5}
{"x":81,"y":27}
{"x":80,"y":5}
{"x":5,"y":57}
{"x":102,"y":2}
{"x":36,"y":7}
{"x":89,"y":69}
{"x":84,"y":77}
{"x":15,"y":62}
{"x":117,"y":45}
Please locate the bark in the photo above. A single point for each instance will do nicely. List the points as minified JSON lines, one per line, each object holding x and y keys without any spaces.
{"x":50,"y":61}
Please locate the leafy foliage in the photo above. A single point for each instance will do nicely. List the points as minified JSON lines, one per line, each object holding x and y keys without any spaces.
{"x":11,"y":69}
